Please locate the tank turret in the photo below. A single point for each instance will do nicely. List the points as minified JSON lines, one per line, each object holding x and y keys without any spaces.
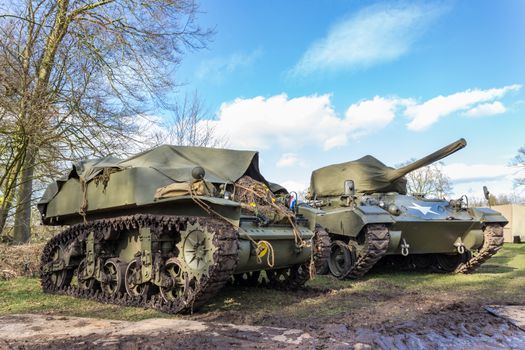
{"x":372,"y":176}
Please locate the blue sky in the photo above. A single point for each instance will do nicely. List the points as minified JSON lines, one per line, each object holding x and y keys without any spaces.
{"x":313,"y":83}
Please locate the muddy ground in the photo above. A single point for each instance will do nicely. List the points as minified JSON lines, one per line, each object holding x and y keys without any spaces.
{"x":440,"y":326}
{"x":30,"y":331}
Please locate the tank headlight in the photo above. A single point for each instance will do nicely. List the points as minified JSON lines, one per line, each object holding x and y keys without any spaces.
{"x":227,"y":195}
{"x":381,"y":204}
{"x":393,"y":209}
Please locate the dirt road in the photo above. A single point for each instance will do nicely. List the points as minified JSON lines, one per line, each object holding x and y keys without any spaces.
{"x":457,"y":326}
{"x":45,"y":332}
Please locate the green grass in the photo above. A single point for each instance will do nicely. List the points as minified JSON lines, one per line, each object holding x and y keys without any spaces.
{"x":23,"y":295}
{"x":505,"y":270}
{"x":501,"y":280}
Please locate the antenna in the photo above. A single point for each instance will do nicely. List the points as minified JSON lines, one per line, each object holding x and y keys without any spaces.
{"x":486,"y":193}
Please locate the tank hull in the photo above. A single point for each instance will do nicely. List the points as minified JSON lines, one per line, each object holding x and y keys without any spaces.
{"x":171,"y":263}
{"x":281,"y":237}
{"x":434,"y":237}
{"x":428,"y":226}
{"x":282,"y":240}
{"x":415,"y":226}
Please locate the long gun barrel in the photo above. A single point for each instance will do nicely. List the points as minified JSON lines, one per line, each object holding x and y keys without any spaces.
{"x":431,"y":158}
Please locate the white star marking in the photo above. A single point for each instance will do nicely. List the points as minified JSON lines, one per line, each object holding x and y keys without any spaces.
{"x":423,"y":210}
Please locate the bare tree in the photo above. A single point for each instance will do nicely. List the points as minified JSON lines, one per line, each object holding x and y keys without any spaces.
{"x":188,"y":125}
{"x":429,"y":181}
{"x":73,"y":74}
{"x":519,"y":160}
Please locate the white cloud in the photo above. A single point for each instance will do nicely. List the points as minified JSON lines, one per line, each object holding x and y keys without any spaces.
{"x":151,"y":131}
{"x":291,"y":123}
{"x":288,"y":159}
{"x":469,"y":179}
{"x":376,"y":34}
{"x":459,"y":172}
{"x":486,"y":109}
{"x":217,"y":68}
{"x":368,"y":115}
{"x":292,"y":185}
{"x":260,"y":123}
{"x":425,"y":114}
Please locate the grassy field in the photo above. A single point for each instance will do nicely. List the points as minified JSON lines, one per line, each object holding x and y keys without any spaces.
{"x":390,"y":295}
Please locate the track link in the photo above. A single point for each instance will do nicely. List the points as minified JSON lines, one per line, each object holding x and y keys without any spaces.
{"x":493,"y":241}
{"x":377,"y":239}
{"x":321,"y":252}
{"x":224,"y":262}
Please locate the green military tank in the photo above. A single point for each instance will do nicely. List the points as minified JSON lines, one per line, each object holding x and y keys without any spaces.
{"x":167,"y":228}
{"x":364,"y":206}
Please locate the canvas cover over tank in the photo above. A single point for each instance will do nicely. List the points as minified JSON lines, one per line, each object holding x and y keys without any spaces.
{"x":370,"y":175}
{"x":170,"y":164}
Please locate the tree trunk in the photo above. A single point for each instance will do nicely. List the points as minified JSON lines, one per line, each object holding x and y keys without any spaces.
{"x":4,"y":213}
{"x":9,"y":191}
{"x":22,"y":227}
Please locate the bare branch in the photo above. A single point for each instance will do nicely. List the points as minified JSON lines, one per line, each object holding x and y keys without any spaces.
{"x":74,"y":74}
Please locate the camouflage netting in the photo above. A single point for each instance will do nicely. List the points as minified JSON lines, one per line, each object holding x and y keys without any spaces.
{"x":257,"y":198}
{"x":370,"y":175}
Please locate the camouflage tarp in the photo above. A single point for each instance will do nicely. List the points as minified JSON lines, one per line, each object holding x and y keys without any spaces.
{"x":370,"y":175}
{"x":174,"y":162}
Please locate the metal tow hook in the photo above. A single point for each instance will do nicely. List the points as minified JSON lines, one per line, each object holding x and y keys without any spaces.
{"x":460,"y":246}
{"x":404,"y":248}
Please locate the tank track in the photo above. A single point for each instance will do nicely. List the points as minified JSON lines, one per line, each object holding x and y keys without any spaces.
{"x":377,"y":238}
{"x":322,"y":243}
{"x":225,"y":260}
{"x":295,"y":276}
{"x":493,"y":241}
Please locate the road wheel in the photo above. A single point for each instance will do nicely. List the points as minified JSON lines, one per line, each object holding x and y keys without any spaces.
{"x":341,"y":258}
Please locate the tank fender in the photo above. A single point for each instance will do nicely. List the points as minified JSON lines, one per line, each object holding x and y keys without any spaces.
{"x":350,"y":221}
{"x":368,"y":214}
{"x":489,"y":215}
{"x":372,"y":214}
{"x":220,"y":201}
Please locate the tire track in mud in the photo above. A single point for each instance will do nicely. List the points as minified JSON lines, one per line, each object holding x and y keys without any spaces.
{"x":29,"y":331}
{"x":456,"y":326}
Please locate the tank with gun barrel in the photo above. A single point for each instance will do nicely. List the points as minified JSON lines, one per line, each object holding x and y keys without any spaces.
{"x":167,"y":228}
{"x":364,"y":206}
